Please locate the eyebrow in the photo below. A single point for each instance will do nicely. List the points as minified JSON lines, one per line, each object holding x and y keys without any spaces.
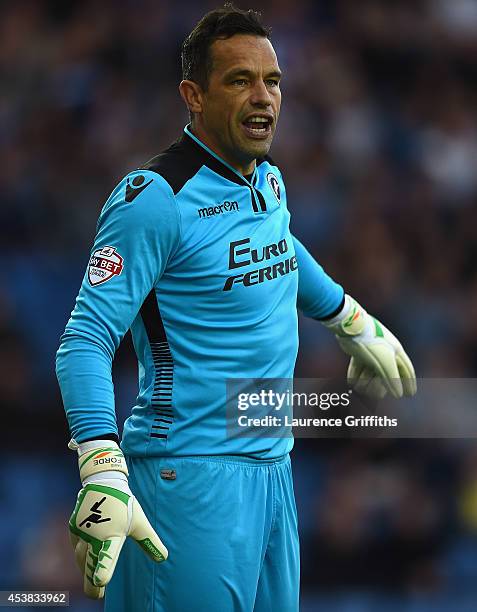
{"x":246,"y":72}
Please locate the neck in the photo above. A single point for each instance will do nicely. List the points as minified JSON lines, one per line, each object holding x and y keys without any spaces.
{"x":243,"y":168}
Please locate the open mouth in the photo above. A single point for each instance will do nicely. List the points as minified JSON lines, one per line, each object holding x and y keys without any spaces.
{"x":258,"y":127}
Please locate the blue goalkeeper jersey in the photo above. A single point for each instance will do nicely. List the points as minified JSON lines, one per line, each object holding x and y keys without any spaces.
{"x":200,"y":264}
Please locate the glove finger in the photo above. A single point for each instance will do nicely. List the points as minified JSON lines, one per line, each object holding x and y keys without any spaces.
{"x":408,"y":375}
{"x":361,"y":384}
{"x":376,"y":389}
{"x":142,"y":531}
{"x":385,"y":365}
{"x":80,"y":548}
{"x":354,"y":370}
{"x":90,"y":589}
{"x":107,"y":559}
{"x":370,"y":384}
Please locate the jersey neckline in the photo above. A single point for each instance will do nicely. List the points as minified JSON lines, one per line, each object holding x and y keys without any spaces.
{"x":217,"y":164}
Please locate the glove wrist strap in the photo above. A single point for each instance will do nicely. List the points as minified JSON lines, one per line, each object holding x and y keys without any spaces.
{"x":351,"y":321}
{"x":99,"y":456}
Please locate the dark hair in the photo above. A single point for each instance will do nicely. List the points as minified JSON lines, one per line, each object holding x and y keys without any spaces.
{"x":221,"y":23}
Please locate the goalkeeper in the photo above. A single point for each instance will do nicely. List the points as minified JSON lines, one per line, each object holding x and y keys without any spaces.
{"x":194,"y":254}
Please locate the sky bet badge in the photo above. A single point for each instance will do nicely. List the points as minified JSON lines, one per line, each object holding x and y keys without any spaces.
{"x":103,"y":265}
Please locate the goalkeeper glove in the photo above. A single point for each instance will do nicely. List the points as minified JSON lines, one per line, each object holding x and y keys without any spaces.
{"x":105,"y":513}
{"x":378,"y":362}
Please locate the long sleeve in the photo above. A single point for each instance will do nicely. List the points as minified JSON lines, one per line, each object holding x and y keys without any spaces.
{"x":318,"y":294}
{"x":138,"y":230}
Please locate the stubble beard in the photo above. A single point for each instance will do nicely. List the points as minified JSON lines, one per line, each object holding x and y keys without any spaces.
{"x":254,"y":150}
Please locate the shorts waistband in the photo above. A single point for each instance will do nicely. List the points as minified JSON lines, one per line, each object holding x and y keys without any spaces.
{"x":242,"y":459}
{"x":227,"y":459}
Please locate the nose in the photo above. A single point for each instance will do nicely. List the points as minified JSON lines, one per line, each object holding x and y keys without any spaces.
{"x":260,"y":96}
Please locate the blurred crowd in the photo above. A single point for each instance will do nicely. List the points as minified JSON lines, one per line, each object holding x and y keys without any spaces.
{"x":377,"y":142}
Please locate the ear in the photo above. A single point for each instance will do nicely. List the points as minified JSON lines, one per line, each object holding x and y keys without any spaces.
{"x":191,"y":93}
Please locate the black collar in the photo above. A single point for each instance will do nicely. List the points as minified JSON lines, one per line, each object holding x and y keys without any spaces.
{"x":209,"y":160}
{"x":185,"y":157}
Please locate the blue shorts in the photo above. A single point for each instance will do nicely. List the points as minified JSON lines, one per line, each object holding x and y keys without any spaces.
{"x":230,"y":526}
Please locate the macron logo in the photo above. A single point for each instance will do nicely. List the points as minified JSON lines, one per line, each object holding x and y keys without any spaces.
{"x":217,"y":210}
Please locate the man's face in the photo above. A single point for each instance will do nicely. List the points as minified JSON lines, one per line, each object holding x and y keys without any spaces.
{"x":241,"y":105}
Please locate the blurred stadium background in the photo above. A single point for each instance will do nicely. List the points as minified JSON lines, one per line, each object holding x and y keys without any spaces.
{"x":378,"y":144}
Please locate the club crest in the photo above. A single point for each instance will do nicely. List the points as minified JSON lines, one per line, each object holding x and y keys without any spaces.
{"x":274,"y":184}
